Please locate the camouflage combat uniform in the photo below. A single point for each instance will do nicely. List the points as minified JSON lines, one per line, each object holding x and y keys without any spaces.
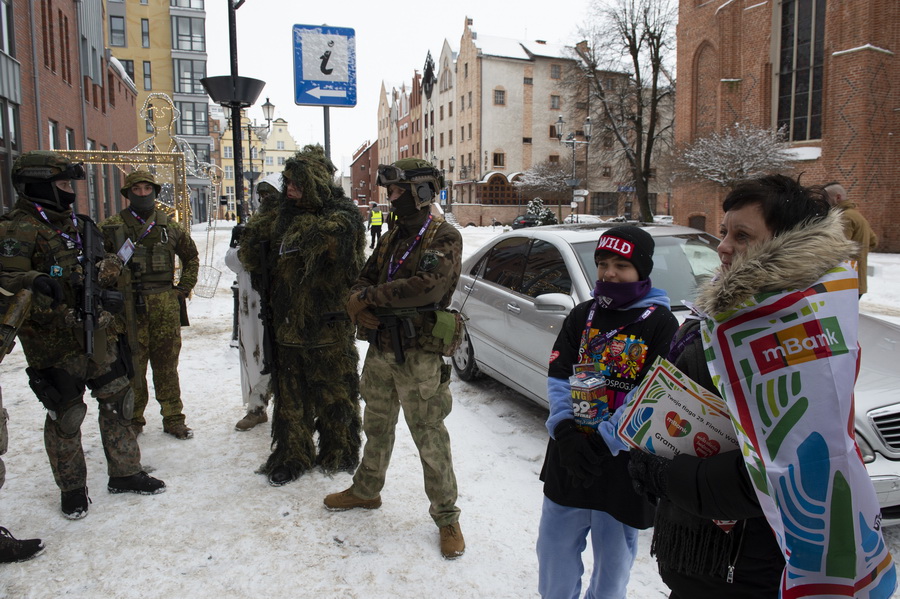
{"x":421,"y":386}
{"x":154,"y":331}
{"x":54,"y":345}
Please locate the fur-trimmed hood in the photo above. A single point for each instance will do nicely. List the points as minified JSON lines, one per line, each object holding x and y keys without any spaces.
{"x":792,"y":260}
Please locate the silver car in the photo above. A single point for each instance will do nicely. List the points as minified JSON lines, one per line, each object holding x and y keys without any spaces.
{"x":516,"y":291}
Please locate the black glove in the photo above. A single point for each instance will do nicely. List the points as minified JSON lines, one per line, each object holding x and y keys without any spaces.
{"x":649,"y":474}
{"x":46,"y":285}
{"x":576,"y":453}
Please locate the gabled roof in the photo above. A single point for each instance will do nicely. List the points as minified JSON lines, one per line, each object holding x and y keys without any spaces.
{"x":519,"y":49}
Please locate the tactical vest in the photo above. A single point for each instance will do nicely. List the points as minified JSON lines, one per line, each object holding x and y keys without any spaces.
{"x":153,"y":263}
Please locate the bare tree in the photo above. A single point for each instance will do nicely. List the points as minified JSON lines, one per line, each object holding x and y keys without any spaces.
{"x":624,"y":65}
{"x":740,"y":152}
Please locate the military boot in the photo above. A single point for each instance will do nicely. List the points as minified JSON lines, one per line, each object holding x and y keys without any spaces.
{"x":74,"y":504}
{"x":140,"y":483}
{"x":15,"y":550}
{"x":253,"y":417}
{"x":179,"y":430}
{"x":346,"y":500}
{"x":453,"y":544}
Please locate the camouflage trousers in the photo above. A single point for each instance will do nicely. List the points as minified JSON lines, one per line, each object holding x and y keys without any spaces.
{"x":421,"y":386}
{"x":123,"y":455}
{"x":159,"y":344}
{"x":318,"y":391}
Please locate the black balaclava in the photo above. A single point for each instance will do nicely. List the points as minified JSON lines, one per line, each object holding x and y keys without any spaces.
{"x":142,"y":204}
{"x":405,"y":205}
{"x":48,"y":194}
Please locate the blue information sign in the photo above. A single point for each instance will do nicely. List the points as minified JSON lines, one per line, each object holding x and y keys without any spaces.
{"x":324,"y":65}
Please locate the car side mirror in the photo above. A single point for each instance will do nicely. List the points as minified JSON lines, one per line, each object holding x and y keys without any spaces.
{"x":554,"y":302}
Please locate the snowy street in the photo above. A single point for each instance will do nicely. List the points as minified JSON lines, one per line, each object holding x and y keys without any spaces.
{"x":221,"y":532}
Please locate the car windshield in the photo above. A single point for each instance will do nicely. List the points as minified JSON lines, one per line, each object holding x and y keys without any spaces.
{"x":680,"y":264}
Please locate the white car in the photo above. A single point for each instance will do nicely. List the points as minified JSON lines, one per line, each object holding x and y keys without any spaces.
{"x":516,"y":291}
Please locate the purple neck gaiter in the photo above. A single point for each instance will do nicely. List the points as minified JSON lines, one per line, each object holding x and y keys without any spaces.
{"x":618,"y":295}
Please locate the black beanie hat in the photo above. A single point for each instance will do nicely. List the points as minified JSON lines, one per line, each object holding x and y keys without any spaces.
{"x":632,"y":243}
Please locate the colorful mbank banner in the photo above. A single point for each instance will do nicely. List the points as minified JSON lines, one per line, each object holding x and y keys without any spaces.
{"x":786,"y":365}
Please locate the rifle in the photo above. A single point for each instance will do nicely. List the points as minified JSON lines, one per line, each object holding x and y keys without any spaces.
{"x":12,"y":319}
{"x":394,"y":321}
{"x":266,"y":313}
{"x":89,"y":294}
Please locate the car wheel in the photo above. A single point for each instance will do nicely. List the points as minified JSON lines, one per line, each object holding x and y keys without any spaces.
{"x":464,"y":359}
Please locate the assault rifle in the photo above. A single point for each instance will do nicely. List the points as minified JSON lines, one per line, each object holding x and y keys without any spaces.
{"x":266,"y":313}
{"x":397,"y":322}
{"x":92,"y":297}
{"x":90,"y":308}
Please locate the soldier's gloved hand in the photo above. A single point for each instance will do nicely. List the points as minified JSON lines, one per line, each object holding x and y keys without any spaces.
{"x":50,"y":287}
{"x":183,"y":293}
{"x":108,"y":270}
{"x":71,"y":318}
{"x":367,"y":319}
{"x":649,"y":474}
{"x":103,"y":320}
{"x":356,"y":303}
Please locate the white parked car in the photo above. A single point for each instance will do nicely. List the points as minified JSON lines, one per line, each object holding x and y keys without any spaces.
{"x":516,"y":291}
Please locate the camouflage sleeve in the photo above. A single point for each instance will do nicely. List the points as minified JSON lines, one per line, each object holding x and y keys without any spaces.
{"x":430,"y":281}
{"x":14,"y":282}
{"x":186,"y":249}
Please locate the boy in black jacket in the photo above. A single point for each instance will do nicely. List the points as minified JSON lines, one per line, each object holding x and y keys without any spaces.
{"x":620,"y":332}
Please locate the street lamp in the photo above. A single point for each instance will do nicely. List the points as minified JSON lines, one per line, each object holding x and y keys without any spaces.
{"x":262,"y":133}
{"x":570,"y":139}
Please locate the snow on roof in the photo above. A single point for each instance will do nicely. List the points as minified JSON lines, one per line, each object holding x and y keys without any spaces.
{"x":520,"y":49}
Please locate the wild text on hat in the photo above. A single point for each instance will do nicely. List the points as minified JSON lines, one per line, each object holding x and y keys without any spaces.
{"x":616,"y":245}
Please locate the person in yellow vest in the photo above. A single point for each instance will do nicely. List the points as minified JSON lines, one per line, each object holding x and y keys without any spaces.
{"x":148,"y":242}
{"x":376,"y":219}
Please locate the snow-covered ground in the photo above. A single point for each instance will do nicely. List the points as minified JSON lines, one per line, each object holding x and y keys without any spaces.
{"x":220,"y":531}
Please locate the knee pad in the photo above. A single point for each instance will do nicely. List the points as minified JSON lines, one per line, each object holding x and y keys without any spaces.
{"x":121,"y":403}
{"x":69,"y":418}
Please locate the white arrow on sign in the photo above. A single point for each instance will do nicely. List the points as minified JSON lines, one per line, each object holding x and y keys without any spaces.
{"x":318,"y":92}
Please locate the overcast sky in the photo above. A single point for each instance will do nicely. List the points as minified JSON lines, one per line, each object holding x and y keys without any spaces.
{"x":392,"y":41}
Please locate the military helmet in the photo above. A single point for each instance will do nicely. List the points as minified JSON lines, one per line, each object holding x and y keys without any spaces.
{"x":139,"y":176}
{"x":43,"y":166}
{"x":425,"y":180}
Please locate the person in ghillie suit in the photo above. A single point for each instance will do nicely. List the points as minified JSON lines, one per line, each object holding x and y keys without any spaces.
{"x":317,"y":245}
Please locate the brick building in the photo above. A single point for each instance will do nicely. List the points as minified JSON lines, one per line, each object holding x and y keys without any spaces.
{"x":60,"y":89}
{"x":363,"y":173}
{"x":824,"y":69}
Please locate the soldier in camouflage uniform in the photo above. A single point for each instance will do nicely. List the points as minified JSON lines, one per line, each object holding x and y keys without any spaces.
{"x":42,"y":234}
{"x":317,"y":248}
{"x":148,"y":241}
{"x":416,"y":264}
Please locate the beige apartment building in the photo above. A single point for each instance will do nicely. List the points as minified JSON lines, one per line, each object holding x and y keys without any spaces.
{"x":162,"y":46}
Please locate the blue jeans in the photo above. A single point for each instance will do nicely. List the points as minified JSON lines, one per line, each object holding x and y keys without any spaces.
{"x":562,"y":538}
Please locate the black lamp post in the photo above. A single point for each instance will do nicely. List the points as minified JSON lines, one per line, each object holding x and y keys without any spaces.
{"x":234,"y":92}
{"x":570,"y":139}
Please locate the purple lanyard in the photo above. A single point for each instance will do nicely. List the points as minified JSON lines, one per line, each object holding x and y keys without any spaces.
{"x":142,"y":221}
{"x":395,"y":266}
{"x":583,"y":351}
{"x":76,"y":241}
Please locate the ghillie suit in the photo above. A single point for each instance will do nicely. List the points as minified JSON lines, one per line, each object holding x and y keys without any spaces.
{"x":317,"y":252}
